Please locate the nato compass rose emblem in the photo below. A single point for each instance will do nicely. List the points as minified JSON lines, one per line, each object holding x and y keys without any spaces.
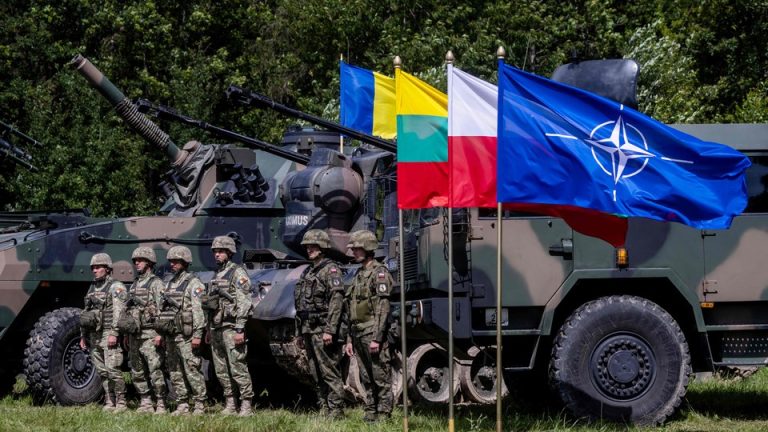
{"x":625,"y":145}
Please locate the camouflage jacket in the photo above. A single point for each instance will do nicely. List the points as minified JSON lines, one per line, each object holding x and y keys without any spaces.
{"x":319,"y":298}
{"x":189,"y":300}
{"x":234,"y":280}
{"x":109,"y":297}
{"x":146,"y":301}
{"x":368,"y":300}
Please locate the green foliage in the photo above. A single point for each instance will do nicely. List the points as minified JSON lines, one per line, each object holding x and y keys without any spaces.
{"x":700,"y":62}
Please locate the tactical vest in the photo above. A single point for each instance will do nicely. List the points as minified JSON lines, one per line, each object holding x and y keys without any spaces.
{"x":224,"y":309}
{"x":361,"y":307}
{"x":229,"y":276}
{"x":101,"y":300}
{"x":176,"y":294}
{"x":142,"y":292}
{"x":312,"y":294}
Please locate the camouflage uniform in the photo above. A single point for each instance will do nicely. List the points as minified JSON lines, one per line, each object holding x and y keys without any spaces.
{"x":146,"y":359}
{"x":107,"y":299}
{"x":368,"y":304}
{"x":319,"y":297}
{"x":184,"y":363}
{"x":228,"y":317}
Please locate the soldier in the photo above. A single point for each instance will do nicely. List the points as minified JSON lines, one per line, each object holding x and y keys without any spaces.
{"x":368,"y":304}
{"x":229,"y":302}
{"x":183,"y":322}
{"x":144,"y":342}
{"x":319,"y":297}
{"x":104,"y":303}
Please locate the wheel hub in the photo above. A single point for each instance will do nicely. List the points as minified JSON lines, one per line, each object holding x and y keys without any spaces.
{"x":77,"y":366}
{"x":623,"y":367}
{"x":485,"y":379}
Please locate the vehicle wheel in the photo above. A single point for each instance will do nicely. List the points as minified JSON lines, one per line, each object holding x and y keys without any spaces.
{"x":621,"y":358}
{"x":428,"y":375}
{"x":478,"y":379}
{"x":55,"y":367}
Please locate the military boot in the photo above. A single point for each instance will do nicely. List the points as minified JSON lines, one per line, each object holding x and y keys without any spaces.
{"x":160,"y":409}
{"x":181,"y":409}
{"x":109,"y":403}
{"x":245,"y":408}
{"x":145,"y":406}
{"x":230,"y":408}
{"x":199,"y":408}
{"x":370,"y":417}
{"x":120,"y":404}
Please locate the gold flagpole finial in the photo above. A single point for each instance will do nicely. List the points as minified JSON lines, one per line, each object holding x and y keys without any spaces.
{"x":449,"y":58}
{"x":398,"y":62}
{"x":501,"y":53}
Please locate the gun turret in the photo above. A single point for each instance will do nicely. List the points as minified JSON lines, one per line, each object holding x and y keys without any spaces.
{"x":12,"y":152}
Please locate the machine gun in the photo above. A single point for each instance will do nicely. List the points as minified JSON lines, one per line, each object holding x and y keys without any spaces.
{"x":170,"y":301}
{"x":12,"y":152}
{"x":167,"y":113}
{"x":257,"y":100}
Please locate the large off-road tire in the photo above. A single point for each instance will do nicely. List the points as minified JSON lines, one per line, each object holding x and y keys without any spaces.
{"x":621,"y":358}
{"x":55,"y":367}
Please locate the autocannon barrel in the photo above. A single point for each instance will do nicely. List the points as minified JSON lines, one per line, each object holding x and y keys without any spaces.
{"x":127,"y":110}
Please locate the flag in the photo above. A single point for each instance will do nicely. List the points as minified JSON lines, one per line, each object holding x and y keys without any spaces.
{"x":422,"y":143}
{"x":562,"y":145}
{"x":472,"y":149}
{"x":368,"y":101}
{"x":472,"y":119}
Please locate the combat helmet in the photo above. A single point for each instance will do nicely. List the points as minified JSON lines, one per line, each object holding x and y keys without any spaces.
{"x":144,"y":252}
{"x":363,"y":239}
{"x":317,"y":237}
{"x":179,"y":253}
{"x":101,"y":259}
{"x":224,"y":242}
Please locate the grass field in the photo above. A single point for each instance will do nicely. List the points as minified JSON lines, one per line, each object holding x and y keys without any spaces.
{"x":711,"y":405}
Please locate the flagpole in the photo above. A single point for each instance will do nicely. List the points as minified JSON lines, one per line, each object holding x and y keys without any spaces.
{"x":448,"y":61}
{"x":341,"y":136}
{"x":401,"y":276}
{"x":500,"y":54}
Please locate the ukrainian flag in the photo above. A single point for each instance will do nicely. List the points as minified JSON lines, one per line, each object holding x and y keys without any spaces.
{"x":368,"y":101}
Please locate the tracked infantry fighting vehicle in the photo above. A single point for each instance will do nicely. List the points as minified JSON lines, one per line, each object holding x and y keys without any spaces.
{"x":617,"y":334}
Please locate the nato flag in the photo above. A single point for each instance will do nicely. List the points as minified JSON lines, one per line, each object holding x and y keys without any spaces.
{"x":561,"y":145}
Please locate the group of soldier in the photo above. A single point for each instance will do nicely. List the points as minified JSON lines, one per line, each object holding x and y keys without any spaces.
{"x":165,"y":324}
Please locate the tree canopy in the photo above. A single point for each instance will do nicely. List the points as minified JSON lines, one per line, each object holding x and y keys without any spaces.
{"x":700,"y":61}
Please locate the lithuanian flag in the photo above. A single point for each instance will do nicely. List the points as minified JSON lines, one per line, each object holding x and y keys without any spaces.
{"x":368,"y":101}
{"x":422,"y":143}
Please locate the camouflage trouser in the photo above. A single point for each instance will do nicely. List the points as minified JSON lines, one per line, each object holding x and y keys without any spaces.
{"x":107,"y":362}
{"x":184,"y":369}
{"x":230,"y":362}
{"x":375,"y":373}
{"x":324,"y":365}
{"x":146,"y":362}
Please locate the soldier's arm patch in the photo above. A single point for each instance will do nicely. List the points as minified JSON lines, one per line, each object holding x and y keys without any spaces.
{"x":198,"y":291}
{"x":382,"y":288}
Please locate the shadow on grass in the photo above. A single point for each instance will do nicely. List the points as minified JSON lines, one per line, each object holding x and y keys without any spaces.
{"x":741,"y":399}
